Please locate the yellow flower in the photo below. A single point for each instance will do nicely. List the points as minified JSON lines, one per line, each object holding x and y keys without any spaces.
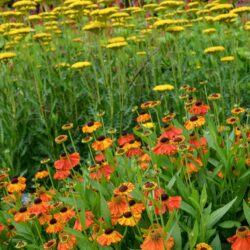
{"x":175,"y":29}
{"x":218,"y":7}
{"x":116,"y":45}
{"x":148,"y":125}
{"x":241,"y":9}
{"x":214,"y":49}
{"x":163,"y":87}
{"x":92,"y":26}
{"x":227,"y":59}
{"x":116,"y":39}
{"x":80,"y":65}
{"x":225,"y":17}
{"x":7,"y":55}
{"x":203,"y":246}
{"x":208,"y":31}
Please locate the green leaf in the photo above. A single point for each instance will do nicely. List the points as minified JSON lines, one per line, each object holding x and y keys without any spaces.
{"x":105,"y":210}
{"x":216,"y":245}
{"x":219,"y":213}
{"x":177,"y":237}
{"x":193,"y":236}
{"x":189,"y":209}
{"x":246,"y":210}
{"x":203,"y":198}
{"x":229,"y":224}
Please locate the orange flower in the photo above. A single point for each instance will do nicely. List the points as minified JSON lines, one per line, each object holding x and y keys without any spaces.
{"x":197,"y":143}
{"x":18,"y":184}
{"x":41,"y":174}
{"x":136,"y":208}
{"x":44,"y":218}
{"x":67,"y":161}
{"x":22,"y":215}
{"x":124,"y":189}
{"x":232,"y":120}
{"x":131,"y":145}
{"x":165,"y":147}
{"x":241,"y":240}
{"x":194,"y":121}
{"x":125,"y":138}
{"x":168,"y":118}
{"x":129,"y":218}
{"x":118,"y":205}
{"x":237,"y":111}
{"x":191,"y":163}
{"x":49,"y":244}
{"x":98,"y":171}
{"x":134,"y":152}
{"x":150,"y":104}
{"x":198,"y":108}
{"x":91,"y":127}
{"x":64,"y":215}
{"x":102,"y":143}
{"x":214,"y":96}
{"x":59,"y":175}
{"x":46,"y":196}
{"x":89,"y":221}
{"x":156,"y":240}
{"x":170,"y":131}
{"x":108,"y":237}
{"x":54,"y":226}
{"x":67,"y":242}
{"x":39,"y":207}
{"x":203,"y":246}
{"x":143,"y":117}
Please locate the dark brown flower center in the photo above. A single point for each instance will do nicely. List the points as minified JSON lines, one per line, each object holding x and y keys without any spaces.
{"x":14,"y":181}
{"x":23,"y":209}
{"x":108,"y":231}
{"x":53,"y":221}
{"x":149,"y":184}
{"x":194,"y":118}
{"x":155,"y":236}
{"x":63,"y":209}
{"x":164,"y":140}
{"x":37,"y":201}
{"x":11,"y":227}
{"x":131,"y":203}
{"x":123,"y":188}
{"x":50,"y":243}
{"x":90,"y":124}
{"x":127,"y":214}
{"x":177,"y":139}
{"x":101,"y":138}
{"x":242,"y":229}
{"x":164,"y":197}
{"x":198,"y":103}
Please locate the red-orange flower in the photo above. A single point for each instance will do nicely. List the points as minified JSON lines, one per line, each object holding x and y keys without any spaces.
{"x":59,"y":175}
{"x":170,"y":131}
{"x":125,"y":138}
{"x":102,"y":143}
{"x":157,"y":240}
{"x":108,"y":237}
{"x":118,"y":205}
{"x":165,"y":147}
{"x":198,"y":108}
{"x":99,"y":170}
{"x":39,"y":207}
{"x":241,"y":240}
{"x":89,"y":221}
{"x":67,"y":161}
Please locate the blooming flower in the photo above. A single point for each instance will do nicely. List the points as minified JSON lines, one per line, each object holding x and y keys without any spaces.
{"x":241,"y":240}
{"x":102,"y":143}
{"x":163,"y":87}
{"x":155,"y":239}
{"x":108,"y":237}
